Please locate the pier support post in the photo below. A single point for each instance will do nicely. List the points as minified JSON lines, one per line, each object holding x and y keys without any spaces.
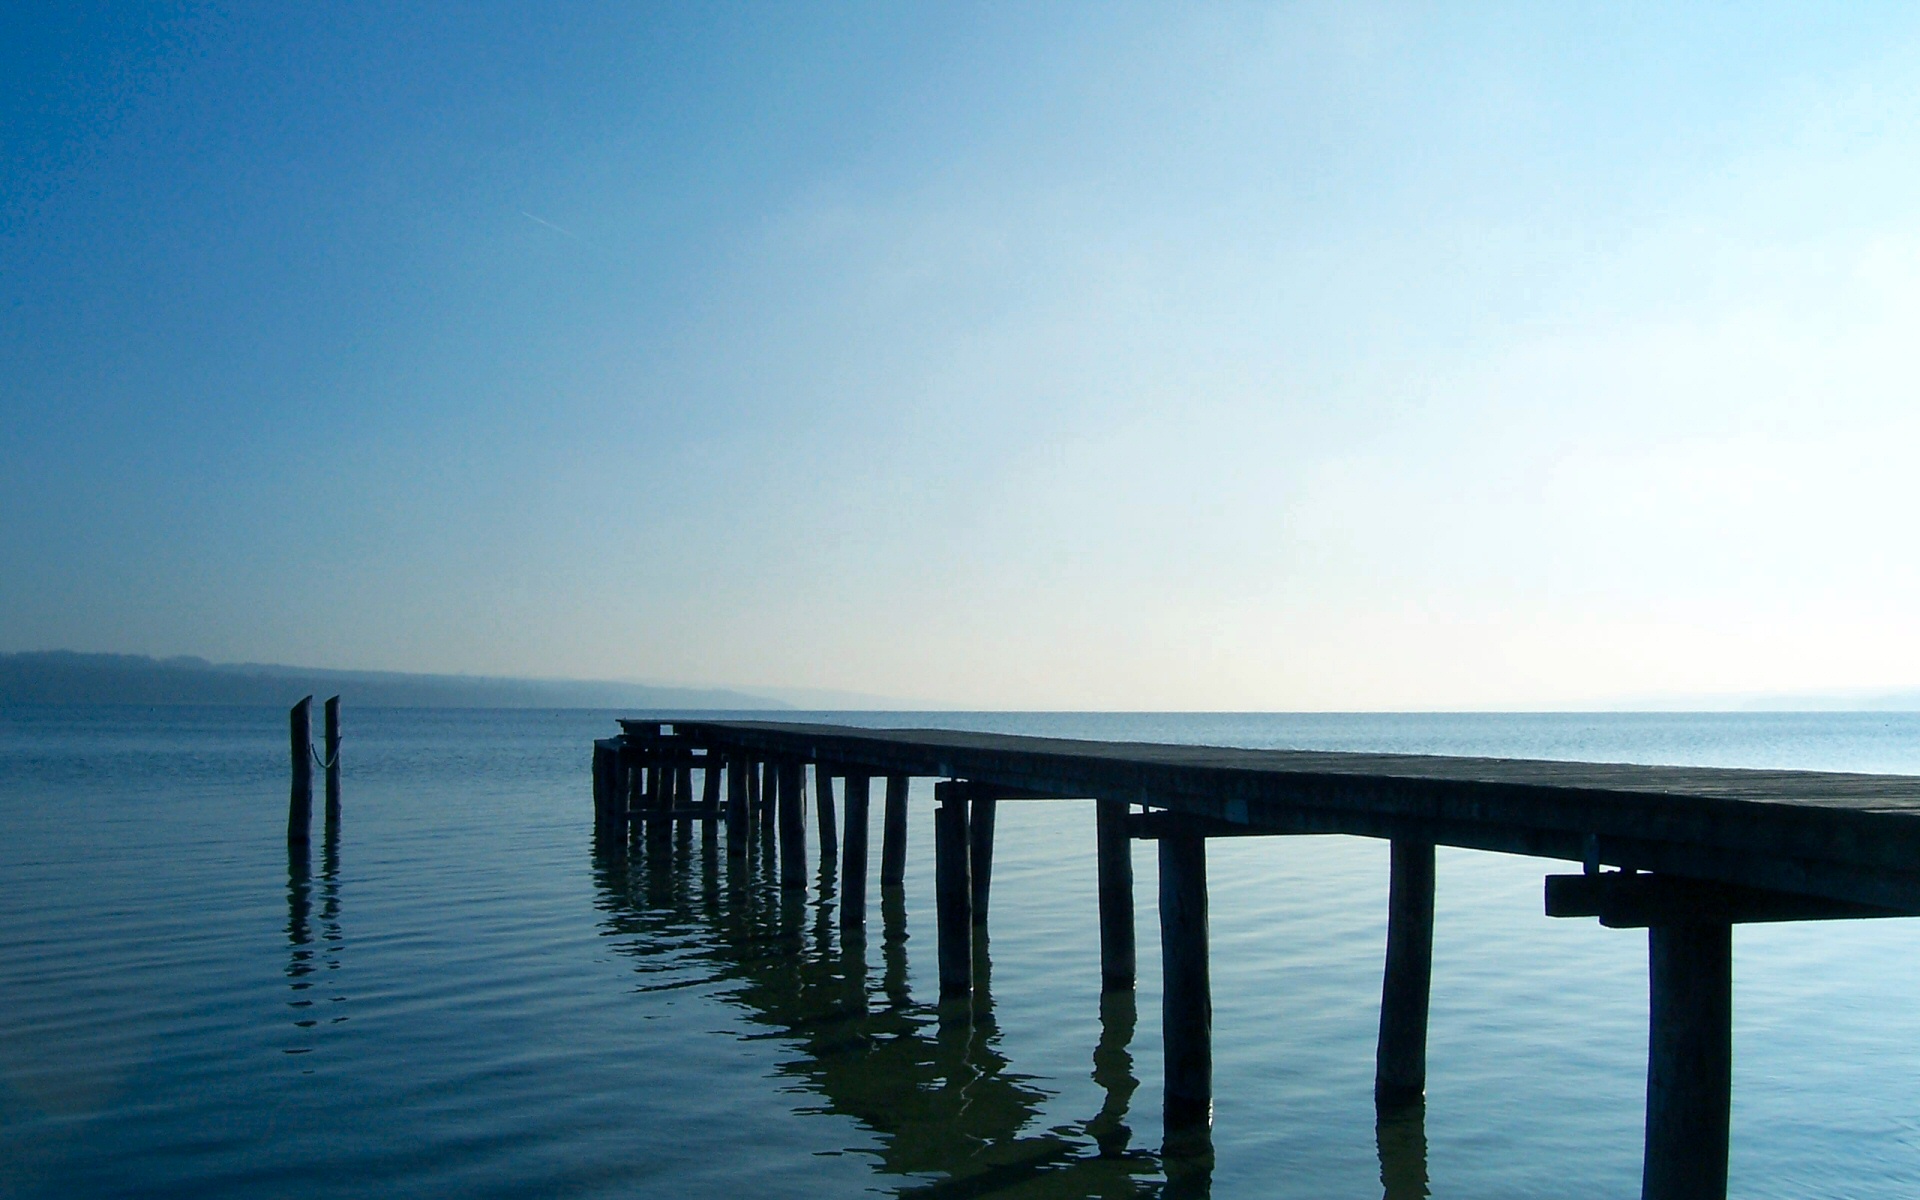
{"x":953,"y":897}
{"x":1186,"y":1007}
{"x":1689,"y":1060}
{"x":737,"y":818}
{"x":893,"y":836}
{"x":300,"y":800}
{"x":1114,"y":852}
{"x":980,"y":853}
{"x":793,"y":826}
{"x":609,"y":788}
{"x":710,"y":782}
{"x":654,"y":791}
{"x":853,"y":862}
{"x":330,"y":725}
{"x":823,"y":806}
{"x":1400,"y":1062}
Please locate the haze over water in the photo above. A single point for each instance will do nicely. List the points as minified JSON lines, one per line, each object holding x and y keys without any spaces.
{"x":463,"y":996}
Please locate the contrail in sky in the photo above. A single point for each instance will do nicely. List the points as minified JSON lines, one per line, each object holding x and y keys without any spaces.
{"x":550,"y":225}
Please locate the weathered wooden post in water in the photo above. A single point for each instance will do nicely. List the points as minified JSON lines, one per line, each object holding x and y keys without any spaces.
{"x":300,"y":803}
{"x":853,"y":861}
{"x":1400,"y":1063}
{"x":893,"y":834}
{"x":952,"y":890}
{"x":793,"y":824}
{"x":331,"y":728}
{"x":980,"y":851}
{"x":738,"y":818}
{"x":1689,"y":1060}
{"x":823,"y":806}
{"x":1114,"y":858}
{"x":1186,"y":1005}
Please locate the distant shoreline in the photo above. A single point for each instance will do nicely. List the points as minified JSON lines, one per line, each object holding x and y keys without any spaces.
{"x":60,"y":677}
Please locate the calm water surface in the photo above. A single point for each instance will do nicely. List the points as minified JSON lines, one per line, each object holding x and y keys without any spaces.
{"x":461,"y":997}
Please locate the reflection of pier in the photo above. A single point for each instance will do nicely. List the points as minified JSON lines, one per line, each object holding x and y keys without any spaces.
{"x":1698,"y":851}
{"x":928,"y":1080}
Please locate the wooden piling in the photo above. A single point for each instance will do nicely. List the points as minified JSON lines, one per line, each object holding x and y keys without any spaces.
{"x":1689,"y":1060}
{"x":710,"y":785}
{"x":738,"y":820}
{"x":953,"y":896}
{"x":893,"y":835}
{"x":609,"y":795}
{"x":300,"y":801}
{"x":980,"y":844}
{"x":1114,"y":855}
{"x":1186,"y":1006}
{"x":823,"y":806}
{"x":793,"y":826}
{"x":853,"y":861}
{"x":330,"y":724}
{"x":1400,"y":1061}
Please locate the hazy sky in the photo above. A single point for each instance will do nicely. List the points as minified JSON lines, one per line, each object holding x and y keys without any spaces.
{"x":1039,"y":355}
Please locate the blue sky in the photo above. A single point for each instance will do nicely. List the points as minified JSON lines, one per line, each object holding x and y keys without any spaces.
{"x":1237,"y":356}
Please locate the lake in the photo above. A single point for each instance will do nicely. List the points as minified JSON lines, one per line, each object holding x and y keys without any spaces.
{"x":463,"y":996}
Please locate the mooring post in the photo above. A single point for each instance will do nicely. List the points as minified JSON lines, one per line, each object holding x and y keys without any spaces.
{"x":330,"y":725}
{"x":853,"y":862}
{"x":953,"y":896}
{"x":893,"y":835}
{"x":1400,"y":1061}
{"x":793,"y":826}
{"x":737,"y":819}
{"x":1114,"y":854}
{"x":980,"y":843}
{"x":300,"y":802}
{"x":823,"y":806}
{"x":1689,"y":1060}
{"x":1186,"y":1006}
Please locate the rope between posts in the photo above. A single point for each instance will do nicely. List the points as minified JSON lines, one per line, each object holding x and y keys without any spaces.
{"x":326,"y":764}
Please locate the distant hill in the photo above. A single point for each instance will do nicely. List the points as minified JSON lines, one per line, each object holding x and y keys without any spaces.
{"x":66,"y":677}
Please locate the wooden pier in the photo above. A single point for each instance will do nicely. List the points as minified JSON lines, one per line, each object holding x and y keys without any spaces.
{"x":1685,"y":853}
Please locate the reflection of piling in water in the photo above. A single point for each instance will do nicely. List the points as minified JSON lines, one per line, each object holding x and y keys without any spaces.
{"x":1401,"y":1137}
{"x":893,"y":921}
{"x":936,"y":1095}
{"x":1113,"y":1071}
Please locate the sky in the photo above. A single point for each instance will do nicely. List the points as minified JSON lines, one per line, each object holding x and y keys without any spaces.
{"x":1097,"y":356}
